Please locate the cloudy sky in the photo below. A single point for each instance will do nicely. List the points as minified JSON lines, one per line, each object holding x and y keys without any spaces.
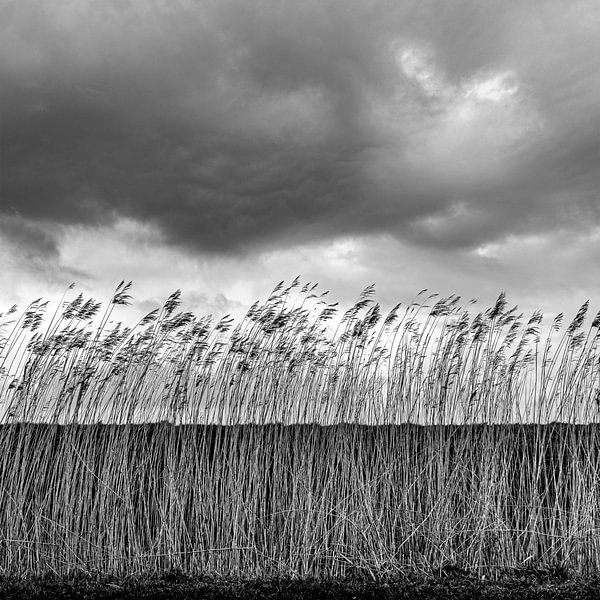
{"x":220,"y":147}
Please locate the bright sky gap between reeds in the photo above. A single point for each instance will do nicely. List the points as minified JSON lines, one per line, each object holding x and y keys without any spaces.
{"x":219,"y":147}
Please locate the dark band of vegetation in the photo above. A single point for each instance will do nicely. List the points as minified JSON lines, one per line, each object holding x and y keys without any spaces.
{"x":300,"y":442}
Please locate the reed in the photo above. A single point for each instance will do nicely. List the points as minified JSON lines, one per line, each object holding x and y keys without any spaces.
{"x":300,"y":441}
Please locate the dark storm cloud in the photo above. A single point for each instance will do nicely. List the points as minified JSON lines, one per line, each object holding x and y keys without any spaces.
{"x":31,"y":242}
{"x":31,"y":248}
{"x":235,"y":125}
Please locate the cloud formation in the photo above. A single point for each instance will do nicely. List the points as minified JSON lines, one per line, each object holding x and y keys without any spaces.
{"x":231,"y":128}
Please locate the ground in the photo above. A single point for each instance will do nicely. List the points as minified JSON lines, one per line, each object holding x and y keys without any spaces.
{"x":459,"y":586}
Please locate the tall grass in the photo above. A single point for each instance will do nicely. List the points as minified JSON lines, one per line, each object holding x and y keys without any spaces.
{"x":299,"y":441}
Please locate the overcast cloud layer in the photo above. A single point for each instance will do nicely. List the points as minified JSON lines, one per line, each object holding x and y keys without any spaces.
{"x":450,"y":144}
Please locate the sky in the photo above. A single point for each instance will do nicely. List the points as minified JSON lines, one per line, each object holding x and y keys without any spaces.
{"x":220,"y":147}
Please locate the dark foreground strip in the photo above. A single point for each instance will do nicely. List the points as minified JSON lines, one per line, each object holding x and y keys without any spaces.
{"x":180,"y":588}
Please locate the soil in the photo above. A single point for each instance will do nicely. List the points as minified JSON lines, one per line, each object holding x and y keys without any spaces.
{"x":459,"y":586}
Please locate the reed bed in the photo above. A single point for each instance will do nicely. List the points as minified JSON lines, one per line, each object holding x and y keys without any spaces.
{"x":301,"y":441}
